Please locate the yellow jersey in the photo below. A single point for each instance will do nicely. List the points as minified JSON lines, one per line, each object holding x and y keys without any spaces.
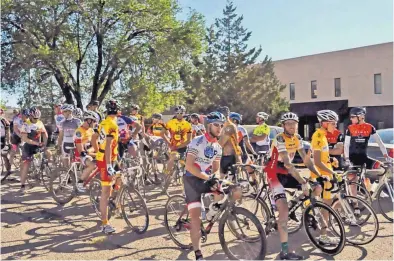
{"x":283,"y":142}
{"x":320,"y":143}
{"x":83,"y":136}
{"x":108,"y":128}
{"x":155,"y":129}
{"x":179,"y":130}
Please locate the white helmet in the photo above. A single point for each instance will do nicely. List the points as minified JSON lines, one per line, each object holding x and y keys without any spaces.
{"x":289,"y":116}
{"x":327,"y":115}
{"x":77,"y":112}
{"x":262,"y":115}
{"x":90,"y":115}
{"x":67,"y":107}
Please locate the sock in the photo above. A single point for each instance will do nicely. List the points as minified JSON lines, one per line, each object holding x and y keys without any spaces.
{"x":285,"y":247}
{"x":105,"y":222}
{"x":80,"y":181}
{"x":198,"y":254}
{"x":23,"y":185}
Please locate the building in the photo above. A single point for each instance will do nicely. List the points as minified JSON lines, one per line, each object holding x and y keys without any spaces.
{"x":338,"y":81}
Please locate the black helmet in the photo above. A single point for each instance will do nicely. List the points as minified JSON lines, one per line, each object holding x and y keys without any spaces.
{"x":157,"y":116}
{"x":195,"y":115}
{"x":112,"y":106}
{"x":358,"y":111}
{"x":224,"y":110}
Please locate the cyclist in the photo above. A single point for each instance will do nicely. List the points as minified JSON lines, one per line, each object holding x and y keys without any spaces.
{"x":94,"y":105}
{"x":261,"y":134}
{"x":232,"y":152}
{"x":134,"y":112}
{"x":356,"y":143}
{"x":59,"y":118}
{"x":321,"y":155}
{"x":67,"y":130}
{"x":106,"y":158}
{"x":34,"y":136}
{"x":84,"y":152}
{"x":243,"y":136}
{"x":154,"y":131}
{"x":197,"y":127}
{"x":203,"y":159}
{"x":335,"y":140}
{"x":18,"y":120}
{"x":5,"y":142}
{"x":124,"y":124}
{"x":282,"y":152}
{"x":181,"y":133}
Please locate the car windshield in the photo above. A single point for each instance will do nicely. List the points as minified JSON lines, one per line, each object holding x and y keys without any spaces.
{"x":386,"y":135}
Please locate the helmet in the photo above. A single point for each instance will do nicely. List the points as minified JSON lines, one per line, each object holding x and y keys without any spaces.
{"x":215,"y":117}
{"x":26,"y":112}
{"x":67,"y":107}
{"x":90,"y":115}
{"x":77,"y":112}
{"x":194,"y":115}
{"x":327,"y":115}
{"x":34,"y":112}
{"x":235,"y":116}
{"x":224,"y":110}
{"x":262,"y":115}
{"x":179,"y":109}
{"x":135,"y":107}
{"x":157,"y":116}
{"x":112,"y":106}
{"x":289,"y":116}
{"x":357,"y":111}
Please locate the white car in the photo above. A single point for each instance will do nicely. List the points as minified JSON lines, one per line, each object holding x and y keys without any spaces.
{"x":387,"y":136}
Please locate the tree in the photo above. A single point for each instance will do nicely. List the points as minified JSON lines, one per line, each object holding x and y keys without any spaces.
{"x":229,"y":73}
{"x":87,"y":46}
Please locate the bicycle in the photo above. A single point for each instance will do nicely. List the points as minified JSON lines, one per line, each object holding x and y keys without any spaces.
{"x":125,"y":199}
{"x":175,"y":177}
{"x":63,"y":186}
{"x":345,"y":206}
{"x":39,"y":171}
{"x":226,"y":216}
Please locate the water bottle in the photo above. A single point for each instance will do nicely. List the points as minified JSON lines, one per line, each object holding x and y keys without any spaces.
{"x":213,"y":209}
{"x":203,"y":213}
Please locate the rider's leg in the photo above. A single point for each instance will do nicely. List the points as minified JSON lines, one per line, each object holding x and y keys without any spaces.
{"x":170,"y":163}
{"x":195,"y":217}
{"x":89,"y":167}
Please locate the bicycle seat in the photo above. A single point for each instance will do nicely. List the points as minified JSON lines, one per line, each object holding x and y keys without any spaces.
{"x":70,"y":147}
{"x":262,"y":153}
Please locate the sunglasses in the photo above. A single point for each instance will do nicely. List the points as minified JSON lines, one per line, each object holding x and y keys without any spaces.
{"x":218,"y":125}
{"x":353,"y":116}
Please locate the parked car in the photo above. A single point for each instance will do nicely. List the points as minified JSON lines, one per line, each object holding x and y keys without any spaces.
{"x":387,"y":136}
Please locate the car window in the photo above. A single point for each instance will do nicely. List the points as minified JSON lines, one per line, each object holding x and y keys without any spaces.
{"x":386,"y":135}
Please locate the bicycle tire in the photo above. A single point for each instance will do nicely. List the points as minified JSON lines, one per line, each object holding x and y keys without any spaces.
{"x":261,"y":233}
{"x":371,"y":213}
{"x":380,"y":201}
{"x":33,"y":178}
{"x":311,"y":237}
{"x":45,"y":176}
{"x":127,"y":190}
{"x":53,"y":191}
{"x":167,"y":225}
{"x":362,"y":192}
{"x":95,"y":196}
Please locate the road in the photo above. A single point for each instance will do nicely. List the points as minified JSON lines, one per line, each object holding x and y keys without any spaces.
{"x":33,"y":226}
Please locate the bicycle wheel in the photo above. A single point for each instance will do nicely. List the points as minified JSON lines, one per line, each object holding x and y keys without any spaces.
{"x":314,"y":222}
{"x":95,"y":195}
{"x":177,"y":221}
{"x":45,"y":176}
{"x":62,"y":187}
{"x":239,"y":245}
{"x":33,"y":177}
{"x":134,"y":209}
{"x":172,"y":186}
{"x":385,"y":197}
{"x":139,"y":182}
{"x":362,"y":192}
{"x":359,"y":229}
{"x":254,"y":205}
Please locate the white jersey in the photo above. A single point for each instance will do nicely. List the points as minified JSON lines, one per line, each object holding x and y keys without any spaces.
{"x":242,"y":132}
{"x":17,"y":123}
{"x":59,"y":119}
{"x":206,"y":150}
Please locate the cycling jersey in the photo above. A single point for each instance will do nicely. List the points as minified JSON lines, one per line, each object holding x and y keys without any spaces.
{"x":206,"y":150}
{"x":17,"y":122}
{"x":179,"y":130}
{"x":33,"y":130}
{"x":261,"y":130}
{"x":156,"y":129}
{"x":59,"y":118}
{"x":320,"y":143}
{"x":242,"y":133}
{"x":334,"y":137}
{"x":123,"y":123}
{"x":83,"y":136}
{"x":69,"y":126}
{"x":198,"y":129}
{"x":227,"y":130}
{"x":108,"y":128}
{"x":359,"y":135}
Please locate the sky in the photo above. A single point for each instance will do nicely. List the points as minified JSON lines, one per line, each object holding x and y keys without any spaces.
{"x":293,"y":28}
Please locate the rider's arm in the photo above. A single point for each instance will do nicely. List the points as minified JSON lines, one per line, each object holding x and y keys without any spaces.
{"x":137,"y":129}
{"x":188,"y":140}
{"x":28,"y":141}
{"x":380,"y":143}
{"x":192,"y":168}
{"x":107,"y":154}
{"x":60,"y":137}
{"x":346,"y":147}
{"x":44,"y":136}
{"x":165,"y":134}
{"x":290,"y":167}
{"x":258,"y":136}
{"x":94,"y":141}
{"x":248,"y":145}
{"x":319,"y":163}
{"x":308,"y":162}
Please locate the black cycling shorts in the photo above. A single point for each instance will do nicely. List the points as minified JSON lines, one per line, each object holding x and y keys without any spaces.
{"x":15,"y":139}
{"x":67,"y":144}
{"x":226,"y":163}
{"x":194,"y":187}
{"x":360,"y":159}
{"x":28,"y":151}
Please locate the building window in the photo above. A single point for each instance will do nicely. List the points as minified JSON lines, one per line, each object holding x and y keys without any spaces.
{"x":337,"y":84}
{"x":377,"y":83}
{"x":292,"y":91}
{"x":313,"y":89}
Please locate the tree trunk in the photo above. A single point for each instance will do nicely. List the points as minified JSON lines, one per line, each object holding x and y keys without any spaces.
{"x":66,"y":88}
